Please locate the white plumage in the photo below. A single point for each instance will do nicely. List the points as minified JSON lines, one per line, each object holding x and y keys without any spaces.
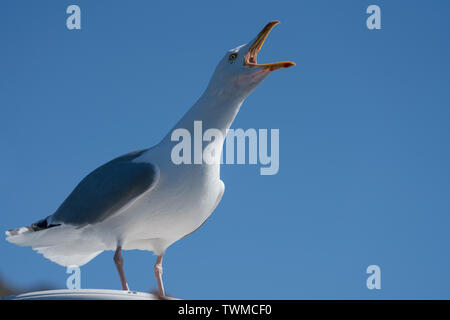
{"x":143,"y":200}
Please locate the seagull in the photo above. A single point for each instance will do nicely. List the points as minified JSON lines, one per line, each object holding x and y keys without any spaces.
{"x":143,"y":200}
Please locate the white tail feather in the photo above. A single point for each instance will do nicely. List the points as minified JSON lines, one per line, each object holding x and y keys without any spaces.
{"x":61,"y":244}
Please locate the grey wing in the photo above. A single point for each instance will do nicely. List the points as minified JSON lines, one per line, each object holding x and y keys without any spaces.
{"x":106,"y":190}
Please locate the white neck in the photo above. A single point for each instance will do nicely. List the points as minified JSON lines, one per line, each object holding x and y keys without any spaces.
{"x":215,"y":109}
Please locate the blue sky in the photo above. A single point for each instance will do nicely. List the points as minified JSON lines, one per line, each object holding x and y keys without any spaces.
{"x":364,"y":135}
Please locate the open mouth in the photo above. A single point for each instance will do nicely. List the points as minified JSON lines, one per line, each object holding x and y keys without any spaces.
{"x":250,"y":57}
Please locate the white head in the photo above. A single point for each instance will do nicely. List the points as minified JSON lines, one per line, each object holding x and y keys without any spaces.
{"x":238,"y":73}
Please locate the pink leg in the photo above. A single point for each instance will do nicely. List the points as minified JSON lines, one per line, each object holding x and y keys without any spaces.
{"x":118,"y":260}
{"x":158,"y":275}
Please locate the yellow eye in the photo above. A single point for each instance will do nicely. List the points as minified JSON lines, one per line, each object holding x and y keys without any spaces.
{"x":232,"y":57}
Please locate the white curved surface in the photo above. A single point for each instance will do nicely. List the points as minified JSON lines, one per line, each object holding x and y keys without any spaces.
{"x":83,"y":294}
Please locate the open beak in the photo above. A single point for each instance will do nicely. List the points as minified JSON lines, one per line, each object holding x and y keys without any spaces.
{"x":250,"y":56}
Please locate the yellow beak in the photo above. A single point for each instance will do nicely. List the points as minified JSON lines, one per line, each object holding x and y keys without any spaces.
{"x":250,"y":56}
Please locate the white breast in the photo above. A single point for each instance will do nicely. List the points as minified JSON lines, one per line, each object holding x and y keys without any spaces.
{"x":184,"y":197}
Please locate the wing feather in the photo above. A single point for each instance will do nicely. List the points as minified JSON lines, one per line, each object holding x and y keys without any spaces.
{"x":106,"y":190}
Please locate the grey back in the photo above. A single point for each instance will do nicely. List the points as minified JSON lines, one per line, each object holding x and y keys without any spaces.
{"x":106,"y":190}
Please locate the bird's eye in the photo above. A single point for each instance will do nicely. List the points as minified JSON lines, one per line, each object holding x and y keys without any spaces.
{"x":232,"y":57}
